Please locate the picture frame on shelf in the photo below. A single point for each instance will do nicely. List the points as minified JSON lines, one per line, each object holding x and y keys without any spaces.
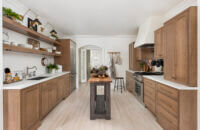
{"x":31,"y":24}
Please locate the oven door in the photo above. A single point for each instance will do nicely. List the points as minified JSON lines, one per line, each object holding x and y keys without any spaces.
{"x":139,"y":90}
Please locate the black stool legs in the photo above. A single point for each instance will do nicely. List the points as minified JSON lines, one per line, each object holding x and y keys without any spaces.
{"x":119,"y":83}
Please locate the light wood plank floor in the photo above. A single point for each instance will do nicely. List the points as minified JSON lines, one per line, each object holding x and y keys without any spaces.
{"x":73,"y":114}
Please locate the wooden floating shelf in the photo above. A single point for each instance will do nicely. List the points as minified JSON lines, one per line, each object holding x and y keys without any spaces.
{"x":27,"y":50}
{"x":14,"y":26}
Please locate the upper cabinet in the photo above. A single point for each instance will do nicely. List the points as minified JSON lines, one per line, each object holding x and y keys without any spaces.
{"x":144,"y":53}
{"x":159,"y":43}
{"x":64,"y":60}
{"x":133,"y":63}
{"x":146,"y":31}
{"x":181,"y":48}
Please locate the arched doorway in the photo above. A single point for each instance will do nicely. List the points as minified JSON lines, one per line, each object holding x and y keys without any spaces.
{"x":89,"y":56}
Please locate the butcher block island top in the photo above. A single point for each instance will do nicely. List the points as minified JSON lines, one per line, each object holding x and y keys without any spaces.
{"x":96,"y":80}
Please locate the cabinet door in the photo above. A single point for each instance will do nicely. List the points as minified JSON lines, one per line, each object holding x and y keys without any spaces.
{"x":170,"y":41}
{"x":67,"y":85}
{"x":60,"y":88}
{"x":30,"y":107}
{"x":44,"y":107}
{"x":52,"y":97}
{"x":159,"y":45}
{"x":181,"y":49}
{"x":131,"y":56}
{"x":144,"y":53}
{"x":139,"y":53}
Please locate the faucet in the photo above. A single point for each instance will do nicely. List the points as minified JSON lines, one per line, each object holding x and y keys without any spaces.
{"x":27,"y":71}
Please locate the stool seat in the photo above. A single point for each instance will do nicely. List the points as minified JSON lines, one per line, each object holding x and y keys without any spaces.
{"x":119,"y":83}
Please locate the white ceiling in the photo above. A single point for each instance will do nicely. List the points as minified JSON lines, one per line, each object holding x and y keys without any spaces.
{"x":98,"y":17}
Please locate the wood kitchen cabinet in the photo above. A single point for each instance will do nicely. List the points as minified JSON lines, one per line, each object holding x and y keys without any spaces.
{"x":25,"y":108}
{"x":48,"y":97}
{"x":53,"y":92}
{"x":44,"y":100}
{"x":159,"y":43}
{"x":133,"y":62}
{"x":63,"y":87}
{"x":30,"y":108}
{"x":181,"y":48}
{"x":21,"y":108}
{"x":175,"y":109}
{"x":144,"y":53}
{"x":64,"y":60}
{"x":68,"y":59}
{"x":150,"y":95}
{"x":130,"y":83}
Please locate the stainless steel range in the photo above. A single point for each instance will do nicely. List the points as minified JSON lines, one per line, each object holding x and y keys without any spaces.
{"x":139,"y":83}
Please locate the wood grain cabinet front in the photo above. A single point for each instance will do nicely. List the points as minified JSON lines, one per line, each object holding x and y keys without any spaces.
{"x":25,"y":108}
{"x":150,"y":95}
{"x":159,"y":43}
{"x":174,"y":109}
{"x":144,"y":53}
{"x":180,"y":40}
{"x":30,"y":108}
{"x":130,"y":83}
{"x":133,"y":62}
{"x":21,"y":108}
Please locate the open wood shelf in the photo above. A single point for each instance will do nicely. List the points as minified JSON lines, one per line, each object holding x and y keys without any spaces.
{"x":14,"y":26}
{"x":27,"y":50}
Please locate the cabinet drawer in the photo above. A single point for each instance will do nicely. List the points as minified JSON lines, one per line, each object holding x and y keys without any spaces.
{"x":149,"y":83}
{"x":165,"y":124}
{"x":148,"y":91}
{"x":169,"y":117}
{"x":169,"y":104}
{"x":168,"y":91}
{"x":150,"y":104}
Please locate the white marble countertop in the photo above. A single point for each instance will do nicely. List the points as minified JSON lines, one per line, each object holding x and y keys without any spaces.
{"x":161,"y":80}
{"x":27,"y":83}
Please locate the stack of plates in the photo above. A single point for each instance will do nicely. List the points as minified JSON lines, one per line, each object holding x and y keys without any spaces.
{"x":58,"y":52}
{"x":26,"y":46}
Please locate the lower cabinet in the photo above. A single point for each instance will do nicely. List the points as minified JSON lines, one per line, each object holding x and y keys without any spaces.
{"x":21,"y":108}
{"x":30,"y":108}
{"x":25,"y":108}
{"x":175,"y":109}
{"x":150,"y":95}
{"x":130,"y":84}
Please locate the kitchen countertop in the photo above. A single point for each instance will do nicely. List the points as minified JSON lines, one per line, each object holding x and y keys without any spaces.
{"x":161,"y":80}
{"x":131,"y":71}
{"x":27,"y":83}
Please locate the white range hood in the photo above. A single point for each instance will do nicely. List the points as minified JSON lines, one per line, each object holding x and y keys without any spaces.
{"x":146,"y":31}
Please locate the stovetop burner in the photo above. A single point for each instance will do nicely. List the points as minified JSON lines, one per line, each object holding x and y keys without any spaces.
{"x":148,"y":73}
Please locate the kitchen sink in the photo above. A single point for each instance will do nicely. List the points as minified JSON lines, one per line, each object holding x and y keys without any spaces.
{"x":38,"y":78}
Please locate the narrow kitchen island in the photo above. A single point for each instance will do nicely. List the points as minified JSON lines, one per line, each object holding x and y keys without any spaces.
{"x":100,"y":105}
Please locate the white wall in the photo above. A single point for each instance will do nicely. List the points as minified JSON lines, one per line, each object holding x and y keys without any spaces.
{"x":112,"y":43}
{"x":1,"y":76}
{"x":22,"y":60}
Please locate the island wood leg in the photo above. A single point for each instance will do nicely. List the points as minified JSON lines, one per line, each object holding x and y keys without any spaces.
{"x":92,"y":101}
{"x":108,"y":101}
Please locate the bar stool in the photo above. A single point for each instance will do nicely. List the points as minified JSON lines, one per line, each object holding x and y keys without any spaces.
{"x":119,"y":83}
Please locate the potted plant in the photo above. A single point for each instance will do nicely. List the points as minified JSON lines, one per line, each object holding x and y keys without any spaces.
{"x":9,"y":13}
{"x":52,"y":68}
{"x":142,"y":63}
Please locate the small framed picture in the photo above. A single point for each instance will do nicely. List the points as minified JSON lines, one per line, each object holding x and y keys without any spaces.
{"x":31,"y":24}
